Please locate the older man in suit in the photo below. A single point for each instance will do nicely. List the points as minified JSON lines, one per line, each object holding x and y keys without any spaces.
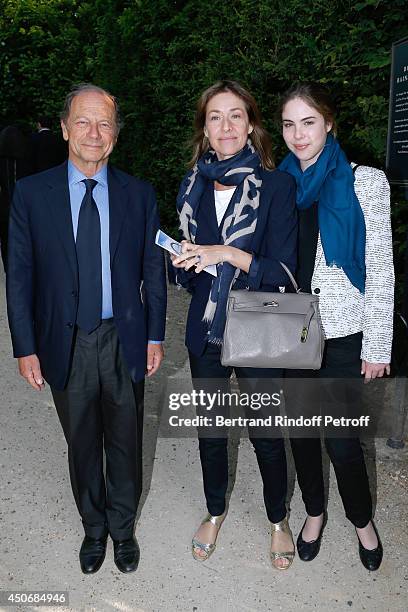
{"x":86,"y":302}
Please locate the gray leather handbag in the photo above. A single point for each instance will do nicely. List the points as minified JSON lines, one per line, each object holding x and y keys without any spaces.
{"x":273,"y":330}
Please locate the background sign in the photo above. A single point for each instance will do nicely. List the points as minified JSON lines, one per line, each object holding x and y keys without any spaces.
{"x":397,"y":144}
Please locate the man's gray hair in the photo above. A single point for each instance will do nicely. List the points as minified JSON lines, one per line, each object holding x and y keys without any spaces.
{"x":85,"y":87}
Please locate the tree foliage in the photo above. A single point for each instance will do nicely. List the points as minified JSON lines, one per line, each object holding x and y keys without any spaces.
{"x":44,"y":46}
{"x":158,"y":56}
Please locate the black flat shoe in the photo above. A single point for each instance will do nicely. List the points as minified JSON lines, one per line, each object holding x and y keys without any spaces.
{"x":92,"y":554}
{"x":126,"y":554}
{"x":307,"y":551}
{"x":371,"y":559}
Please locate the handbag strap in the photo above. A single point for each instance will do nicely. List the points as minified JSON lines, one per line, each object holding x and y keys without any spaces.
{"x":291,"y":277}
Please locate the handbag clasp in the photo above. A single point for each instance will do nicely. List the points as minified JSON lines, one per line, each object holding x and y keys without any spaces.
{"x":303,"y":335}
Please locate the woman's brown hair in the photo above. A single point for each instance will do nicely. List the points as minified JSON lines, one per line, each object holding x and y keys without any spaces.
{"x":259,"y":136}
{"x":315,"y":95}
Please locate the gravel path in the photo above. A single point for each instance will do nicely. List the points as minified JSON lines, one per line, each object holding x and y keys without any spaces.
{"x":41,"y":531}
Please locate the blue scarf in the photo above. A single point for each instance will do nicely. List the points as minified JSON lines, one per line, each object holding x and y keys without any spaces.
{"x":243,"y":171}
{"x":330,"y":182}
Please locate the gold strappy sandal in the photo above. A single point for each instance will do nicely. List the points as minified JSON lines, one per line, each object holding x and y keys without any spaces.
{"x":283,"y":526}
{"x":207,"y":548}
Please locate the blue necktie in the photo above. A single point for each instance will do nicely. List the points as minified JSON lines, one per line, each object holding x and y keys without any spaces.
{"x":88,"y":248}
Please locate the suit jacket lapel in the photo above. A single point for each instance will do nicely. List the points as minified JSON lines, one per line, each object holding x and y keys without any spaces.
{"x":118,"y":200}
{"x":57,"y":196}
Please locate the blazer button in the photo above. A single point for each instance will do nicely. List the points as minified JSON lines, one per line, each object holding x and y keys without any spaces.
{"x":317,"y":290}
{"x":70,"y":325}
{"x":74,"y":293}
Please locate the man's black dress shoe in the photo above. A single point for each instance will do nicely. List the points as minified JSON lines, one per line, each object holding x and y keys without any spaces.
{"x":307,"y":551}
{"x":92,"y":554}
{"x":371,"y":559}
{"x":126,"y":554}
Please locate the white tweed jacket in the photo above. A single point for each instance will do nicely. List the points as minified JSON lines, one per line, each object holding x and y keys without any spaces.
{"x":343,"y":309}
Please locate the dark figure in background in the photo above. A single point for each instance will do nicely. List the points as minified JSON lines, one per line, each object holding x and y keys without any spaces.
{"x":47,"y":149}
{"x":14,"y":164}
{"x":81,"y":244}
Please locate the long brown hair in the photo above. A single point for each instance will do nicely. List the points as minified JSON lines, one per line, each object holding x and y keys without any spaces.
{"x":259,"y":136}
{"x":315,"y":95}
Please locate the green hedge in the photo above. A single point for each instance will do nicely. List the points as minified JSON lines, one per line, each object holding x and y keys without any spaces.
{"x":157,"y":56}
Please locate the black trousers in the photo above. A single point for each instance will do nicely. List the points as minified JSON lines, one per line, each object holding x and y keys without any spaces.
{"x":341,"y":360}
{"x":208,"y":374}
{"x":102,"y":409}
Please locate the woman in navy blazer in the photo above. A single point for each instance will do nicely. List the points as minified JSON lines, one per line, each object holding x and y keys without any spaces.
{"x":237,"y":213}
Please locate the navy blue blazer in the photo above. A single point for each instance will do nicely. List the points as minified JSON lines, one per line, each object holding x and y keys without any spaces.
{"x":274,"y":240}
{"x":42,"y":278}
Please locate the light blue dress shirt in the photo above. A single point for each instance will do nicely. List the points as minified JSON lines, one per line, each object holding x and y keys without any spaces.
{"x":100,"y":194}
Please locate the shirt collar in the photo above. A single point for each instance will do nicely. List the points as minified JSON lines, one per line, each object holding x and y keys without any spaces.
{"x":76,"y":176}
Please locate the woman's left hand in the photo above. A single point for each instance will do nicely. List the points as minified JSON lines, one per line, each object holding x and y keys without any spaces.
{"x":374,"y":370}
{"x":202,"y":256}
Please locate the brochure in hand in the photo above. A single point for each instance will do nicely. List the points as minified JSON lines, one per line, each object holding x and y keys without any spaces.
{"x":172,"y":246}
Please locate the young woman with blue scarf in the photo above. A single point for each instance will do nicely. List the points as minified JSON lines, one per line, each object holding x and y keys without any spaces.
{"x":345,"y":256}
{"x":238,"y":213}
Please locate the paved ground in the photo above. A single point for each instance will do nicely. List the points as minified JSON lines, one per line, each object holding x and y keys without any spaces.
{"x":41,"y":533}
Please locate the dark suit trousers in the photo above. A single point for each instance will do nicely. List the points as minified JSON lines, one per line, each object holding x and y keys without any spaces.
{"x":102,"y":409}
{"x":341,"y":359}
{"x":270,"y":452}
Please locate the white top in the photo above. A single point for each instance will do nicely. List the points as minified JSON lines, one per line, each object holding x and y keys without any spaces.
{"x":222,"y":199}
{"x":343,"y":309}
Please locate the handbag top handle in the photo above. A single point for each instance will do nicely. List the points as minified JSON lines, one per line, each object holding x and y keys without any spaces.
{"x":291,"y":277}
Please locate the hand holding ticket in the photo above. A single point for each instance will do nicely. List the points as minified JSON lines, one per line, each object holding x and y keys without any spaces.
{"x":172,"y":246}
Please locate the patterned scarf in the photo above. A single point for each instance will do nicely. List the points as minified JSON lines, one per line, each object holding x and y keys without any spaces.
{"x":243,"y":171}
{"x":330,"y":181}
